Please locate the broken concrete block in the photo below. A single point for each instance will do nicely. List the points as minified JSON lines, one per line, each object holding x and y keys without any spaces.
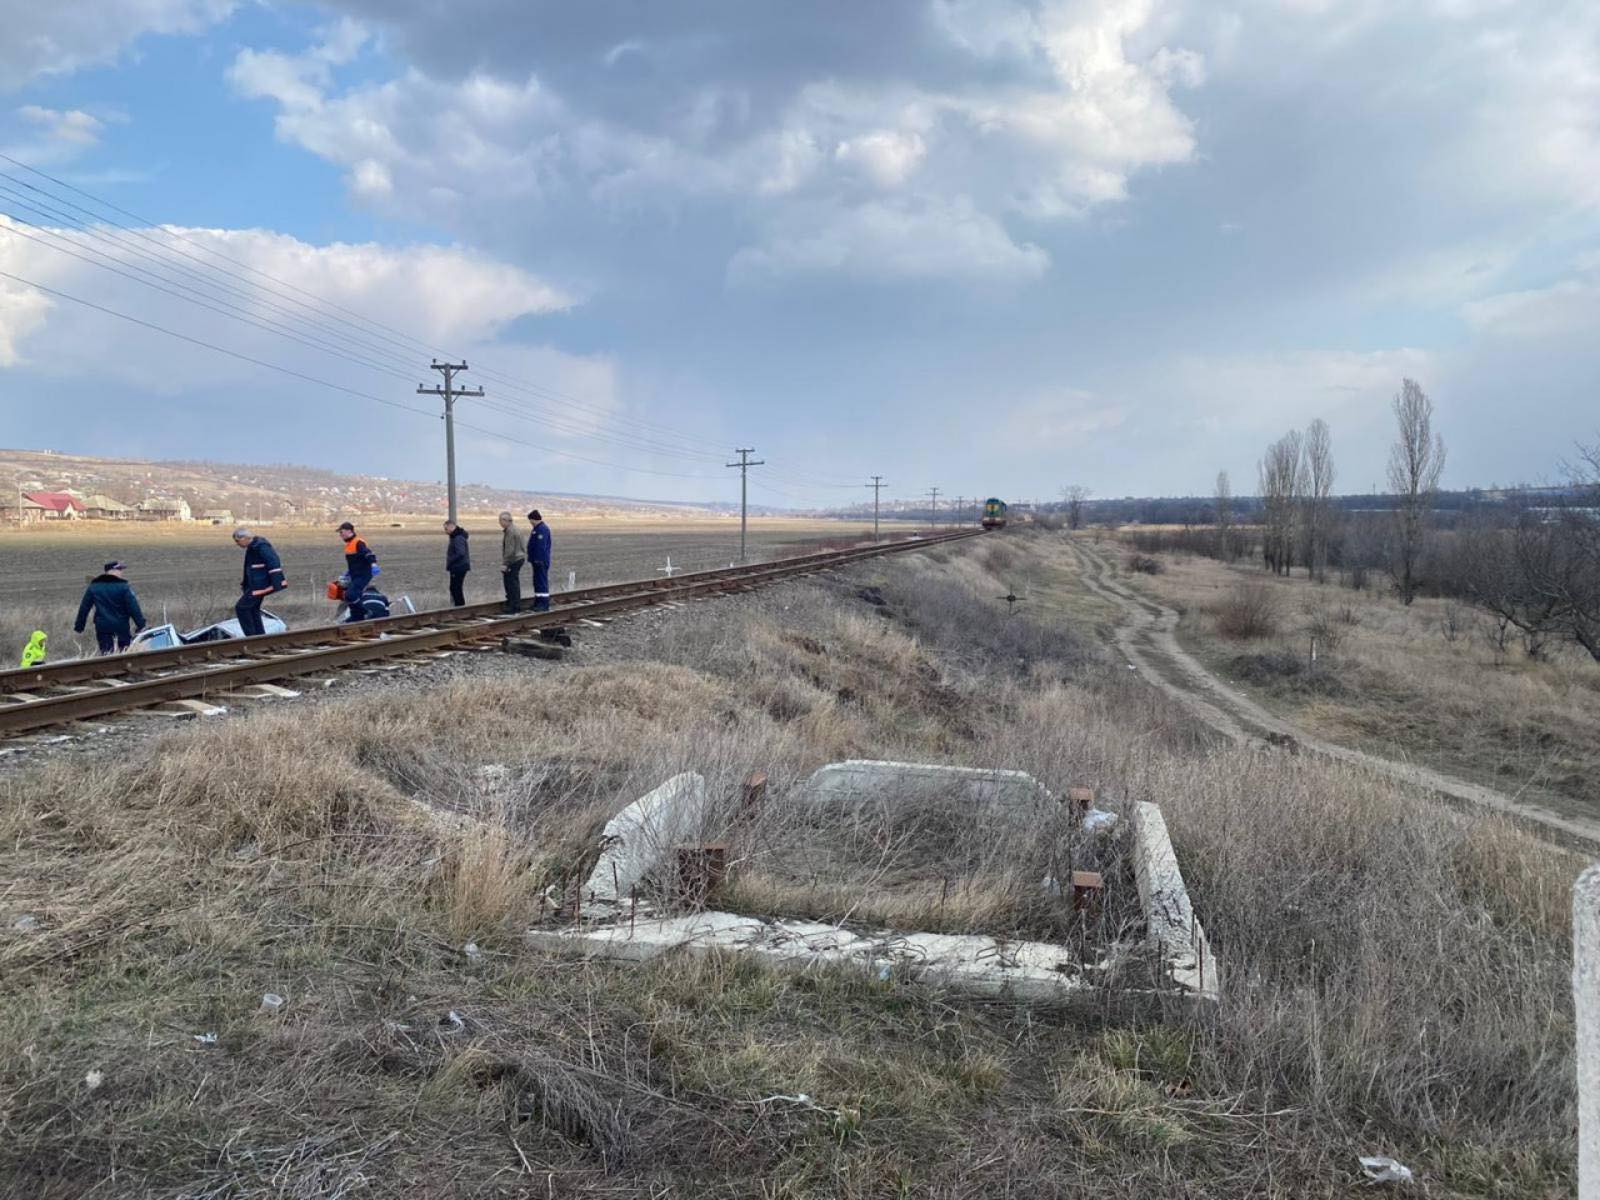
{"x":859,"y":780}
{"x":1169,"y":920}
{"x":641,"y":837}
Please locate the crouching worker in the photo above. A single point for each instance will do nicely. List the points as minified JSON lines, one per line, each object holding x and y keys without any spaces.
{"x":33,"y":654}
{"x":263,"y":575}
{"x":361,"y":564}
{"x":366,"y":605}
{"x":116,"y":609}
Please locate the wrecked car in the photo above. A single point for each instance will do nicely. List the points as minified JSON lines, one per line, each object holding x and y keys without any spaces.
{"x":164,"y":637}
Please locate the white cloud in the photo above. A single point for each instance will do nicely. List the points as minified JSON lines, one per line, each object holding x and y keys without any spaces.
{"x":1060,"y":419}
{"x":887,"y":157}
{"x":808,"y":167}
{"x":72,"y":125}
{"x":1566,"y":309}
{"x":446,"y":296}
{"x":898,"y":241}
{"x":59,"y":38}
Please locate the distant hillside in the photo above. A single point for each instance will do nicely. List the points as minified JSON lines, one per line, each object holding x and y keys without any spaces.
{"x":286,"y":492}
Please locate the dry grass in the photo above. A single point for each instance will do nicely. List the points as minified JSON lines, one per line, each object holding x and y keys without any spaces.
{"x":1419,"y":682}
{"x":1395,"y":975}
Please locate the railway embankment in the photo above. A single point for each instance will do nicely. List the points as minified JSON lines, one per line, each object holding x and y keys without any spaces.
{"x":1394,"y":974}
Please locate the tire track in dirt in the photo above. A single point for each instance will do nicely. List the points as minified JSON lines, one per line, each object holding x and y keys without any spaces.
{"x":1147,"y":637}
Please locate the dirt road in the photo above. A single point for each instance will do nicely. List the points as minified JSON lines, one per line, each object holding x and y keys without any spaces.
{"x":1147,"y":638}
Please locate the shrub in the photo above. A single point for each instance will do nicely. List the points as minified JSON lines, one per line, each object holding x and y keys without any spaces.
{"x":1249,"y":611}
{"x":1144,"y":564}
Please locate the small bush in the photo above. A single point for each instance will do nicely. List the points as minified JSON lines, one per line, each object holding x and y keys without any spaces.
{"x":1249,"y":611}
{"x":1144,"y":564}
{"x":1323,"y":626}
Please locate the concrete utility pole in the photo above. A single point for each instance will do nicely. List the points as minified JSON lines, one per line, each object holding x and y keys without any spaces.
{"x":933,"y":516}
{"x":877,"y":488}
{"x":961,"y":503}
{"x":744,"y":464}
{"x":450,"y":393}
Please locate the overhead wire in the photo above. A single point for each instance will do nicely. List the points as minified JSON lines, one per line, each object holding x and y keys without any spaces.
{"x":371,"y":337}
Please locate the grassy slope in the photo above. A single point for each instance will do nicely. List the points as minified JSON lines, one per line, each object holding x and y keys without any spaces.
{"x":1421,"y":682}
{"x":1396,"y":975}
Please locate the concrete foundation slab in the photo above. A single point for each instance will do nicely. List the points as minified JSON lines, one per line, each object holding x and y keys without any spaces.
{"x":1586,"y":995}
{"x":641,"y":837}
{"x":1029,"y":971}
{"x":1169,"y":920}
{"x":859,"y":780}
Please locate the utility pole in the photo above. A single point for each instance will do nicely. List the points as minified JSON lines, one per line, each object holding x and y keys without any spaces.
{"x":933,"y":516}
{"x":744,"y":464}
{"x":960,"y":504}
{"x":877,"y":488}
{"x":450,"y":393}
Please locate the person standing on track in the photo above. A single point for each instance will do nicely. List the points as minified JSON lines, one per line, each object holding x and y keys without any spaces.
{"x":539,"y":558}
{"x":359,"y":561}
{"x":513,"y":553}
{"x":457,"y":561}
{"x":263,"y":575}
{"x":115,"y":609}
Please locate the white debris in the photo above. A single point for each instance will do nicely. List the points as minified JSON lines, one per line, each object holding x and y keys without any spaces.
{"x":206,"y":1039}
{"x":472,"y":951}
{"x":638,"y":839}
{"x":453,"y":1021}
{"x":1380,"y":1169}
{"x":271,"y":1002}
{"x":1097,"y":820}
{"x":26,"y":923}
{"x":93,"y":1080}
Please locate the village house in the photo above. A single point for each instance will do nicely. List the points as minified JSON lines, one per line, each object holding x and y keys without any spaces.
{"x":57,"y":506}
{"x":162,"y":509}
{"x":101,"y":507}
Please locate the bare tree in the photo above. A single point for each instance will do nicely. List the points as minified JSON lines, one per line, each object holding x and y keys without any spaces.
{"x":1224,"y":516}
{"x":1075,"y":494}
{"x":1319,"y":474}
{"x":1281,"y":485}
{"x":1415,"y":461}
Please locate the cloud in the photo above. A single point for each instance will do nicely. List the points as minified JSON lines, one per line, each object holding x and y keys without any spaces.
{"x":445,"y":295}
{"x":73,"y":125}
{"x":832,"y":150}
{"x":895,"y":241}
{"x":57,"y":39}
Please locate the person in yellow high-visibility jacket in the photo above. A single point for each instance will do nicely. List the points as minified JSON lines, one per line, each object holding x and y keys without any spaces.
{"x":34,"y":652}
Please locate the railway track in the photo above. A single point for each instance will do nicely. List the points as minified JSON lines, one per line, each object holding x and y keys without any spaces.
{"x":56,"y":694}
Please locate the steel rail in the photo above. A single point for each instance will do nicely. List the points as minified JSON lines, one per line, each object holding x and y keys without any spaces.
{"x":82,"y":670}
{"x":45,"y":711}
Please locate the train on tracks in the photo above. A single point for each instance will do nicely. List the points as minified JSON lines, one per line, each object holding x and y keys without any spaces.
{"x":994,"y":513}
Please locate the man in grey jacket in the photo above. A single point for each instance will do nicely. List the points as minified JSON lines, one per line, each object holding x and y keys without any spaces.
{"x":513,"y":553}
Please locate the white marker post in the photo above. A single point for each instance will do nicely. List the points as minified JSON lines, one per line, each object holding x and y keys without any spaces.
{"x":1586,"y":998}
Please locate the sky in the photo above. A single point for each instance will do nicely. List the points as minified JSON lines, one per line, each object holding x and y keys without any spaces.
{"x":989,"y":246}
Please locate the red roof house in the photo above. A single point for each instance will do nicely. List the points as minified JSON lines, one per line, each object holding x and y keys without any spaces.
{"x":57,"y":505}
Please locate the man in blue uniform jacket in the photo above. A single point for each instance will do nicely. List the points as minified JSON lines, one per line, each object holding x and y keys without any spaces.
{"x":263,"y":575}
{"x":539,"y":558}
{"x":359,"y":561}
{"x":117,"y":616}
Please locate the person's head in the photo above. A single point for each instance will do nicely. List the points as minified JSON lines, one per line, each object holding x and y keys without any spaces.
{"x":533,"y":515}
{"x":449,"y":526}
{"x":243,"y":537}
{"x":114,"y":567}
{"x":505,"y":520}
{"x":347,"y":531}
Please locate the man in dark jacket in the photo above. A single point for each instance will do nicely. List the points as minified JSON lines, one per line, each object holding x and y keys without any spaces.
{"x":263,"y":575}
{"x":539,"y":558}
{"x":457,"y":561}
{"x":359,"y":561}
{"x":115,"y":606}
{"x":513,"y":553}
